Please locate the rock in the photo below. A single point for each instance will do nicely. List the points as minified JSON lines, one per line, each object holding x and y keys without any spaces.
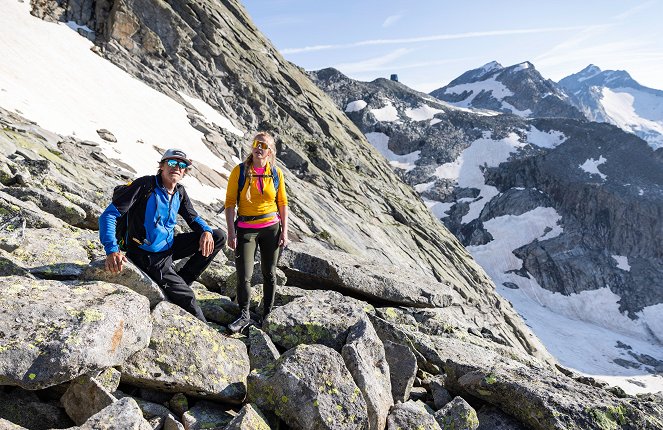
{"x":170,"y":423}
{"x":51,"y":253}
{"x":60,"y":331}
{"x":364,"y":357}
{"x":11,"y":207}
{"x":440,"y":394}
{"x":492,"y":418}
{"x":92,"y":210}
{"x":216,"y":308}
{"x":249,"y":418}
{"x":307,"y":265}
{"x":418,"y":393}
{"x":217,"y":277}
{"x":121,"y":415}
{"x":130,"y":276}
{"x":411,"y":415}
{"x":309,"y":387}
{"x":26,"y":409}
{"x":324,"y":318}
{"x":187,"y":356}
{"x":8,"y":425}
{"x":262,"y":351}
{"x":109,"y":379}
{"x":207,"y":415}
{"x":402,"y":370}
{"x":457,"y":414}
{"x":50,"y":202}
{"x":84,"y":398}
{"x":179,"y":404}
{"x":106,"y":135}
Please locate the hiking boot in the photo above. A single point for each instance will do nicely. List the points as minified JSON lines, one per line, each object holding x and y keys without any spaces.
{"x":240,"y":323}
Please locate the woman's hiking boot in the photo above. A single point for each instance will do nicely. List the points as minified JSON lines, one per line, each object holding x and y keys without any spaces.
{"x":240,"y":323}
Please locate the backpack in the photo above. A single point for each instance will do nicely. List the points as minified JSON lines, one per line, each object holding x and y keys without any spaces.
{"x":242,"y":180}
{"x":122,"y":223}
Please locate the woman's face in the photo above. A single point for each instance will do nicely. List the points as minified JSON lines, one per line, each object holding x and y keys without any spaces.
{"x":261,"y":149}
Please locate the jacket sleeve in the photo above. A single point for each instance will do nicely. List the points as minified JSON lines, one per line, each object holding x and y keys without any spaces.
{"x":191,"y":217}
{"x":281,"y":196}
{"x":231,"y":191}
{"x":120,"y":205}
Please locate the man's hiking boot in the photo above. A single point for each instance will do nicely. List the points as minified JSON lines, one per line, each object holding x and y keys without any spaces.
{"x":240,"y":323}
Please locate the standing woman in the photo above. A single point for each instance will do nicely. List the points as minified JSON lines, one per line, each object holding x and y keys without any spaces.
{"x":262,"y":222}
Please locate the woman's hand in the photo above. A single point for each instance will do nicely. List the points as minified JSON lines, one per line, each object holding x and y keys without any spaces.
{"x":283,"y":240}
{"x":232,"y":240}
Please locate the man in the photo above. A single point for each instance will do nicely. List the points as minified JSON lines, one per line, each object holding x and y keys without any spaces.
{"x":153,"y":203}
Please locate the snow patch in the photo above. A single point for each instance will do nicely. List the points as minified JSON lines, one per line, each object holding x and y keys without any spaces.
{"x":211,"y":114}
{"x":635,"y":111}
{"x":514,"y":110}
{"x":386,"y":114}
{"x":591,"y":166}
{"x":497,"y":89}
{"x":434,"y":121}
{"x":355,"y":106}
{"x":544,"y":139}
{"x":622,"y":262}
{"x":380,"y":141}
{"x":438,"y":209}
{"x":422,"y":113}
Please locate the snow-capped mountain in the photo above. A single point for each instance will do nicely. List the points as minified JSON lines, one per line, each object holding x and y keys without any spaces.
{"x":613,"y":96}
{"x":562,"y":213}
{"x":519,"y":89}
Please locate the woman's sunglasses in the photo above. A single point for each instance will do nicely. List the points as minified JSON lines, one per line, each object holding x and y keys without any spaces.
{"x":262,"y":145}
{"x":176,"y":163}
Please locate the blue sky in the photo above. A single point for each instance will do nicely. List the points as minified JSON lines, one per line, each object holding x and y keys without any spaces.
{"x":428,"y":43}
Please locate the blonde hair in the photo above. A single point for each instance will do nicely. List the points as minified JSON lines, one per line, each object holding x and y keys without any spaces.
{"x":263,"y":136}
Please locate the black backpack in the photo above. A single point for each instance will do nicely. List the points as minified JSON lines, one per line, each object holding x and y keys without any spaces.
{"x":122,"y":223}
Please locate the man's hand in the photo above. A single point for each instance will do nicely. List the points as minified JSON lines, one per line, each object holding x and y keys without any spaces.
{"x":114,"y":262}
{"x":206,"y":244}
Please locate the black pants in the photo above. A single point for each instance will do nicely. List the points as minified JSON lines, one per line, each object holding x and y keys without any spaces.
{"x":176,"y":285}
{"x":267,"y":239}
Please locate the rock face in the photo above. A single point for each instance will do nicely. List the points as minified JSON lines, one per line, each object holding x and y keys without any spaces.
{"x":54,"y":332}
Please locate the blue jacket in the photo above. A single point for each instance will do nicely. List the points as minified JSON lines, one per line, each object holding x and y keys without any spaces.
{"x":151,"y":221}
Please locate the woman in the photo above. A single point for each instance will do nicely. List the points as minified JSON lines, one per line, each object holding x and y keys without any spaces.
{"x":257,"y":188}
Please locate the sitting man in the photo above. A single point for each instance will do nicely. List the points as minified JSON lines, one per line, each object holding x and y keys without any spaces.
{"x":153,"y":203}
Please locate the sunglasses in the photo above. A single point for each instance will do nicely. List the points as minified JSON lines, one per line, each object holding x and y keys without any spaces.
{"x":262,"y":145}
{"x":177,"y":163}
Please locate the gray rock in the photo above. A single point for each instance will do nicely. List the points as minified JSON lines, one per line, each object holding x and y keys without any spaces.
{"x":130,"y":276}
{"x":109,"y":379}
{"x":217,"y":277}
{"x":26,"y":409}
{"x":216,"y":308}
{"x":92,"y":210}
{"x":440,"y":394}
{"x":152,"y":410}
{"x":411,"y":415}
{"x":84,"y":398}
{"x":106,"y":135}
{"x":310,"y":266}
{"x":324,"y":318}
{"x":51,"y":253}
{"x":171,"y":423}
{"x":187,"y":356}
{"x":457,"y":414}
{"x":402,"y":370}
{"x":364,"y":357}
{"x":418,"y":393}
{"x":309,"y":387}
{"x":262,"y":351}
{"x":8,"y":425}
{"x":249,"y":418}
{"x":178,"y":404}
{"x":121,"y":415}
{"x":50,"y":202}
{"x":34,"y":217}
{"x":207,"y":415}
{"x":61,"y":331}
{"x":492,"y":418}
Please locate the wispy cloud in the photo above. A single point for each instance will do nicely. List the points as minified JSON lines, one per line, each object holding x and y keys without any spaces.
{"x":634,"y":10}
{"x":372,"y":64}
{"x":391,"y":20}
{"x":426,"y":39}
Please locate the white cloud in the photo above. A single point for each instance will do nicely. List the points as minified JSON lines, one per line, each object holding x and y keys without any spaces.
{"x":391,"y":20}
{"x":372,"y":64}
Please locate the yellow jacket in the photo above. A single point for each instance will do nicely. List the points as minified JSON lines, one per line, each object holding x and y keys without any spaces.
{"x":261,"y":203}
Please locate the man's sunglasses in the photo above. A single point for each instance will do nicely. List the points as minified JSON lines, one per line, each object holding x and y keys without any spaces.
{"x":177,"y":163}
{"x":262,"y":145}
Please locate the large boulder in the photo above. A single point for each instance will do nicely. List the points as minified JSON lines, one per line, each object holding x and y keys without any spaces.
{"x":412,"y":415}
{"x":11,"y":207}
{"x":311,"y":266}
{"x":206,"y":415}
{"x":25,"y":408}
{"x":50,"y":202}
{"x":324,"y":317}
{"x":85,"y":397}
{"x":309,"y":387}
{"x":130,"y":276}
{"x":186,"y":355}
{"x":53,"y":332}
{"x":365,"y":359}
{"x":121,"y":415}
{"x":457,"y":414}
{"x":249,"y":418}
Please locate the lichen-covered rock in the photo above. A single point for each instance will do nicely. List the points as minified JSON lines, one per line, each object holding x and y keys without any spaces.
{"x":26,"y":409}
{"x":218,"y":277}
{"x":51,"y":253}
{"x":262,"y":351}
{"x":492,"y":418}
{"x":365,"y":359}
{"x":324,"y":318}
{"x":207,"y":415}
{"x":11,"y":207}
{"x":109,"y":379}
{"x":411,"y":415}
{"x":171,"y":423}
{"x":305,"y":264}
{"x":249,"y":418}
{"x":440,"y":394}
{"x":130,"y":276}
{"x":309,"y":387}
{"x":402,"y":369}
{"x":60,"y":331}
{"x":187,"y":356}
{"x":121,"y":415}
{"x":50,"y":202}
{"x":457,"y":414}
{"x":178,"y":404}
{"x":216,"y":308}
{"x":84,"y":398}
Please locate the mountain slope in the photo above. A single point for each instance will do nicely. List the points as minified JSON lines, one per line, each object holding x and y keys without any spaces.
{"x":613,"y":96}
{"x":519,"y":89}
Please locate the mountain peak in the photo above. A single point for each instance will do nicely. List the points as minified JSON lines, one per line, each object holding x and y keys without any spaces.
{"x":489,"y":67}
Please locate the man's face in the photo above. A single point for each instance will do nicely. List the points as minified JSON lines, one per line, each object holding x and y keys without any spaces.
{"x":173,"y":169}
